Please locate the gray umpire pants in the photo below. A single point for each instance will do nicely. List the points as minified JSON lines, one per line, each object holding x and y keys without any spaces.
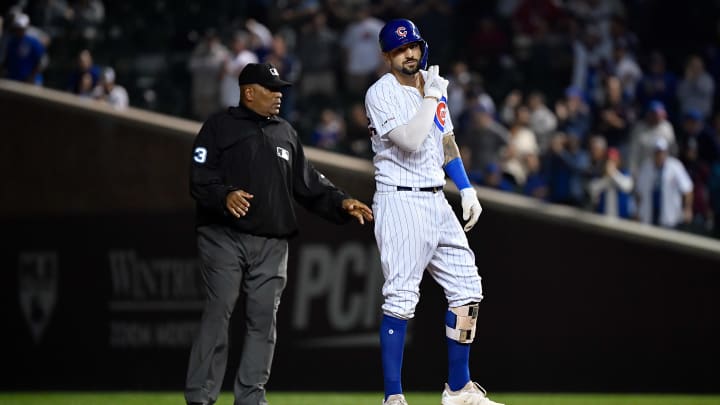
{"x":231,"y":260}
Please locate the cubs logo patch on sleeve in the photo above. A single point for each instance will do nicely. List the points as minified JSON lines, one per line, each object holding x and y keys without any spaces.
{"x":441,"y":113}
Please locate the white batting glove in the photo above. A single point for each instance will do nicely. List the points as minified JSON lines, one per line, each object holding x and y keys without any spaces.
{"x":435,"y":85}
{"x":471,"y":207}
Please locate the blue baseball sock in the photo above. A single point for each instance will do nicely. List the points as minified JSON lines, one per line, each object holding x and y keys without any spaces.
{"x":392,"y":342}
{"x":458,"y":358}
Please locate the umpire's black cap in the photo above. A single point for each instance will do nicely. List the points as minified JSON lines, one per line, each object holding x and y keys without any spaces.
{"x":263,"y":74}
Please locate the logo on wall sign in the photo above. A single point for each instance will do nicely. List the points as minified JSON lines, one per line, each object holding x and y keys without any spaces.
{"x":401,"y":31}
{"x":38,"y":280}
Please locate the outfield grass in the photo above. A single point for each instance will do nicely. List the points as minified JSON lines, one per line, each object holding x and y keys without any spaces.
{"x":286,"y":398}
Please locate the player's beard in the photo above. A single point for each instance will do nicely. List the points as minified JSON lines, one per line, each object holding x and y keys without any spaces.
{"x":410,"y":71}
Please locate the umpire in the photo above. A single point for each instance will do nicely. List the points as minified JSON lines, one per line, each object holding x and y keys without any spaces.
{"x":247,"y":168}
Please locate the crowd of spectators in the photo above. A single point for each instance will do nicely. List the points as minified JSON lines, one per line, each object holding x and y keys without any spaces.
{"x":25,"y":56}
{"x":596,"y":104}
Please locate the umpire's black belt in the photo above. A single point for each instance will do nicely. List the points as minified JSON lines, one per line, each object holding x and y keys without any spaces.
{"x":431,"y":189}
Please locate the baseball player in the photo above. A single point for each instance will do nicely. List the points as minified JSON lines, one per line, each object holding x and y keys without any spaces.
{"x":416,"y":229}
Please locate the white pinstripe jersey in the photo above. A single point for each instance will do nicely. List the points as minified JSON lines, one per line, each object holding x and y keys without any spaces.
{"x":389,"y":104}
{"x":415,"y":230}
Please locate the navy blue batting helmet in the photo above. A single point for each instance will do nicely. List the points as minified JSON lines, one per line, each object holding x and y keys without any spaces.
{"x":399,"y":32}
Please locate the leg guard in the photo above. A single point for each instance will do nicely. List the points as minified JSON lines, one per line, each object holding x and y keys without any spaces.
{"x":461,"y":322}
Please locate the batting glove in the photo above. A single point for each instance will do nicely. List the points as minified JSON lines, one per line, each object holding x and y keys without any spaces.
{"x":435,"y":85}
{"x":471,"y":207}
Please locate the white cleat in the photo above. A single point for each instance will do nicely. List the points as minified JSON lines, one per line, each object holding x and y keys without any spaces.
{"x":396,"y":399}
{"x":471,"y":394}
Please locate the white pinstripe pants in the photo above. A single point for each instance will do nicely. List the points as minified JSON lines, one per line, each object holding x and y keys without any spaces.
{"x":415,"y":231}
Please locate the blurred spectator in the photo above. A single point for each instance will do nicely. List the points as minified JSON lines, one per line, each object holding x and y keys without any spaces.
{"x":389,"y":9}
{"x":522,"y":142}
{"x":289,"y":68}
{"x":357,"y":132}
{"x":610,"y":193}
{"x":699,"y":172}
{"x":506,"y":8}
{"x":620,"y":33}
{"x":696,"y":134}
{"x":664,"y":189}
{"x":87,"y":16}
{"x":260,"y":37}
{"x":85,"y":68}
{"x":53,"y":16}
{"x":234,"y":64}
{"x":85,"y":86}
{"x":109,"y":92}
{"x":362,"y":53}
{"x":329,"y":132}
{"x":542,"y":120}
{"x":596,"y":14}
{"x":341,"y":12}
{"x":573,"y":113}
{"x":296,"y":13}
{"x":482,"y":141}
{"x":475,"y":98}
{"x":695,"y":91}
{"x":533,"y":16}
{"x":435,"y":16}
{"x":23,"y":60}
{"x":486,"y":43}
{"x":493,"y":177}
{"x":579,"y":160}
{"x":565,"y":164}
{"x":597,"y":153}
{"x":32,"y":30}
{"x":614,"y":115}
{"x":318,"y":53}
{"x":714,"y":192}
{"x":645,"y":134}
{"x":459,"y":82}
{"x":658,"y":84}
{"x":512,"y":101}
{"x":590,"y":55}
{"x":626,"y":69}
{"x":3,"y":42}
{"x":535,"y":184}
{"x":206,"y":63}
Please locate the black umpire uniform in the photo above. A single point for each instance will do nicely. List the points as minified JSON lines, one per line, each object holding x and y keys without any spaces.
{"x":261,"y":157}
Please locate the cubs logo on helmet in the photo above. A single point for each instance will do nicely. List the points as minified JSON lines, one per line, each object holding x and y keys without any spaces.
{"x":399,"y":32}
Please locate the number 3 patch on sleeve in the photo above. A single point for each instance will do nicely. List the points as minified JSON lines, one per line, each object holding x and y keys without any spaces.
{"x":200,"y":154}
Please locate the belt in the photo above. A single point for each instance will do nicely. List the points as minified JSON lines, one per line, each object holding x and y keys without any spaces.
{"x":432,"y":189}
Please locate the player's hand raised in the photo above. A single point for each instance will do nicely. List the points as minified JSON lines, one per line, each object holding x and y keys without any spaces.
{"x":471,"y":207}
{"x":435,"y":85}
